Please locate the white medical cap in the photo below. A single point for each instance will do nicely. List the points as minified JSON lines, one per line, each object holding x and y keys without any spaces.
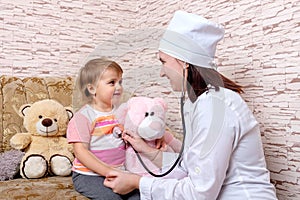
{"x":191,"y":38}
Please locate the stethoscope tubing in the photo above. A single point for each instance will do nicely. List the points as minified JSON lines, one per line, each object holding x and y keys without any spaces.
{"x":182,"y":101}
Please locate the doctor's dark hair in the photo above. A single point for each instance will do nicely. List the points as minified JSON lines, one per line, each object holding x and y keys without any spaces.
{"x":91,"y":72}
{"x":200,"y":79}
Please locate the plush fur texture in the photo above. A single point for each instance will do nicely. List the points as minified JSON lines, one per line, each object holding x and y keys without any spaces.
{"x":46,"y":148}
{"x":9,"y":164}
{"x":145,"y":118}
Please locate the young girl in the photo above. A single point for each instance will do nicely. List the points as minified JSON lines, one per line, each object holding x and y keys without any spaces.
{"x":97,"y":150}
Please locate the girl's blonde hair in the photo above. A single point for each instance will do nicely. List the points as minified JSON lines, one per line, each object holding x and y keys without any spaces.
{"x":90,"y":74}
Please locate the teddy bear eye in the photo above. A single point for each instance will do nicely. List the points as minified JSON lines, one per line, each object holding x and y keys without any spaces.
{"x":40,"y":116}
{"x":147,"y":114}
{"x":55,"y":120}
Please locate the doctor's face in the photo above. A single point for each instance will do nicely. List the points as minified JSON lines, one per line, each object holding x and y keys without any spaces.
{"x":172,"y":69}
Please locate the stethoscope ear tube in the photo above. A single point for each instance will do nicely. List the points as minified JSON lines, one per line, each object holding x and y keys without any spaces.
{"x":182,"y":100}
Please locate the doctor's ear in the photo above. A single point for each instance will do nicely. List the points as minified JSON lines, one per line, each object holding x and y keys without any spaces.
{"x":186,"y":65}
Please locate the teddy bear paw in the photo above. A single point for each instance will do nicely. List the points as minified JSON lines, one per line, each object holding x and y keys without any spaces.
{"x":60,"y":165}
{"x":35,"y":166}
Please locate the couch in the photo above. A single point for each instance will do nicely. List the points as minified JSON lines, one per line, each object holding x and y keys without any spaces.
{"x":15,"y":92}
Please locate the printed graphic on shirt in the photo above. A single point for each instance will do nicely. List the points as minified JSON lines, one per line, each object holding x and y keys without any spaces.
{"x":104,"y":125}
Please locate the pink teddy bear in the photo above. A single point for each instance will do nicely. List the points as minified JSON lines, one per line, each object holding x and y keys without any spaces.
{"x":145,"y":117}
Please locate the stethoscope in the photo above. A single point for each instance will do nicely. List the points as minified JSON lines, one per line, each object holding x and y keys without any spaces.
{"x":182,"y":101}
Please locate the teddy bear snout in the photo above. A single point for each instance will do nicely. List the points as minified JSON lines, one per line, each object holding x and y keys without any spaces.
{"x":47,"y":127}
{"x":151,"y":127}
{"x":47,"y":122}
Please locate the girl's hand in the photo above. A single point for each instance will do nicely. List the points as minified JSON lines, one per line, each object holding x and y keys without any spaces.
{"x":122,"y":182}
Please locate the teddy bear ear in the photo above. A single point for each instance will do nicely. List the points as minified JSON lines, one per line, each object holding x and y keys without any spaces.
{"x":162,"y":102}
{"x":69,"y":112}
{"x":24,"y":109}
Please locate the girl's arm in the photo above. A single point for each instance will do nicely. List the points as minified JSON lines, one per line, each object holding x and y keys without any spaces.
{"x":78,"y":135}
{"x":89,"y":160}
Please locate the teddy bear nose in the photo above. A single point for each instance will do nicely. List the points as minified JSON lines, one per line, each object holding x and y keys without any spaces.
{"x":47,"y":122}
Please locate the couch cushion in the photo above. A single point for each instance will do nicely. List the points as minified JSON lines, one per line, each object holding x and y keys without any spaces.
{"x":45,"y":188}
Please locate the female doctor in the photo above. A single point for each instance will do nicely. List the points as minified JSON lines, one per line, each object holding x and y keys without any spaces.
{"x":223,"y":156}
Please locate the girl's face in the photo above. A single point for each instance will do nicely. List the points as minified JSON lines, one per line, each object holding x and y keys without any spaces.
{"x":172,"y":69}
{"x":108,"y":90}
{"x":116,"y":100}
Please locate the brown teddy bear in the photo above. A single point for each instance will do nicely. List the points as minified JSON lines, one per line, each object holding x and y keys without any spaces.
{"x":46,"y":148}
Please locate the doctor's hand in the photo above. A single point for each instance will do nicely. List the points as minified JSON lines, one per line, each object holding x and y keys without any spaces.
{"x":122,"y":182}
{"x":154,"y":154}
{"x":136,"y":142}
{"x":161,"y":144}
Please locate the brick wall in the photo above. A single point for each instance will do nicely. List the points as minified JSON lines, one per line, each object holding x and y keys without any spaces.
{"x":51,"y":38}
{"x":260,"y":51}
